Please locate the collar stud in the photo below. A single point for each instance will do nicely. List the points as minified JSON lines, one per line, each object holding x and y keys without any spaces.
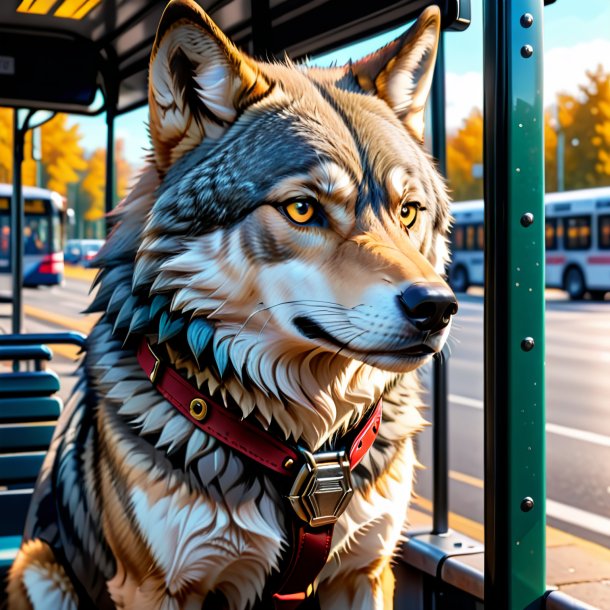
{"x":198,"y":409}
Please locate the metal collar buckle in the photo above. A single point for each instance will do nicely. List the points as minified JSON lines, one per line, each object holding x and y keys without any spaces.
{"x":323,"y":488}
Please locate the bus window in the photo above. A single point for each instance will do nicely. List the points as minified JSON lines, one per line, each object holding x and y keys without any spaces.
{"x":578,"y":233}
{"x":551,"y":233}
{"x":604,"y":232}
{"x":470,"y":235}
{"x":57,"y":233}
{"x":5,"y":242}
{"x":458,"y":238}
{"x":36,"y":235}
{"x":480,"y":238}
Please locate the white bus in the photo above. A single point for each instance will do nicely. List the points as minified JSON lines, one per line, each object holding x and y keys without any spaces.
{"x":577,"y":230}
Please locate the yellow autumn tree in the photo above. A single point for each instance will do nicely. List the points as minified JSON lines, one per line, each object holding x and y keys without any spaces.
{"x":6,"y":144}
{"x":601,"y":139}
{"x":93,"y":185}
{"x":94,"y":181}
{"x":583,"y":123}
{"x":124,"y":171}
{"x":62,"y":154}
{"x":28,"y":168}
{"x":464,"y":150}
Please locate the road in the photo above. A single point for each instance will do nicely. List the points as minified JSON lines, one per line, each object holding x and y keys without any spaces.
{"x":578,"y":405}
{"x":578,"y":417}
{"x":54,"y":309}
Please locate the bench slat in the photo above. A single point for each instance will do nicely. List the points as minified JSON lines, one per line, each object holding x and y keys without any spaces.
{"x":20,"y":467}
{"x":17,"y":409}
{"x":15,"y":504}
{"x":35,"y":383}
{"x":25,"y":352}
{"x":32,"y":436}
{"x":9,"y":545}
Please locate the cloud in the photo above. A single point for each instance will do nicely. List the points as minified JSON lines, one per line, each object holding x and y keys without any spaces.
{"x":463,"y":93}
{"x":564,"y":70}
{"x":565,"y":67}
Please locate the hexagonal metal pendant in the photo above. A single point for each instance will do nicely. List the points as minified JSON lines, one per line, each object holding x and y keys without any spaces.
{"x":323,"y":488}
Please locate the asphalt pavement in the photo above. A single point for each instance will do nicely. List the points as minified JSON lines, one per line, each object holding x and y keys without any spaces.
{"x":578,"y":416}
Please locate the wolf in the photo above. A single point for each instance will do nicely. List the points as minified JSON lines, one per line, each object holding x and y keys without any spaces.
{"x":283,"y":254}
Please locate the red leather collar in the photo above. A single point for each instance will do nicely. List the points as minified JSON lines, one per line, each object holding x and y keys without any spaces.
{"x":239,"y":434}
{"x":311,"y":544}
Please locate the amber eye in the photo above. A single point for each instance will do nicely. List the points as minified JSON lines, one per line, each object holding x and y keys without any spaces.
{"x":408,"y":213}
{"x":300,"y":211}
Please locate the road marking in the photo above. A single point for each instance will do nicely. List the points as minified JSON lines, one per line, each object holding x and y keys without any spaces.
{"x":556,"y":510}
{"x":554,"y":536}
{"x":466,"y":478}
{"x":578,"y":517}
{"x":80,"y":273}
{"x":466,"y":402}
{"x":581,"y":435}
{"x":84,"y":324}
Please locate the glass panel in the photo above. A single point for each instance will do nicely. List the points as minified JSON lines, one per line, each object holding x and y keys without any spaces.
{"x":57,"y":233}
{"x":578,"y":233}
{"x":470,"y":237}
{"x":5,"y":241}
{"x":458,"y":238}
{"x":36,"y":235}
{"x":480,"y":237}
{"x":604,"y":232}
{"x":551,"y":233}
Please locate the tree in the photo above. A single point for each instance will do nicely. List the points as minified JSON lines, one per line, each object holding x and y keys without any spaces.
{"x":94,"y":181}
{"x":464,"y":150}
{"x":601,"y":139}
{"x":124,"y":171}
{"x":62,"y":154}
{"x":93,"y":185}
{"x":6,"y":144}
{"x":584,"y":122}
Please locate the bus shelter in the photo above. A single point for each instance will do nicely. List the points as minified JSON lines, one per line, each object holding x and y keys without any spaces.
{"x":55,"y":56}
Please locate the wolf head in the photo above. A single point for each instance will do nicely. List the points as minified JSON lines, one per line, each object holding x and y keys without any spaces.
{"x":290,"y":241}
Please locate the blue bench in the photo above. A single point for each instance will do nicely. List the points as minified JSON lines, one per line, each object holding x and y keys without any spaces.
{"x":29,"y":409}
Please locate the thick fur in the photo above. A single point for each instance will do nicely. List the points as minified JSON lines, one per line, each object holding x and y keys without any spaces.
{"x":297,"y":327}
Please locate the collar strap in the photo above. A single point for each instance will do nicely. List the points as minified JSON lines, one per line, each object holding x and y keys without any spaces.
{"x":239,"y":434}
{"x":321,"y":482}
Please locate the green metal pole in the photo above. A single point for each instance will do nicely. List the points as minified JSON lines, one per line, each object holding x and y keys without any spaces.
{"x":514,"y":306}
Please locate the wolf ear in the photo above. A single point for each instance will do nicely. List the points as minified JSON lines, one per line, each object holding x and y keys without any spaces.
{"x":401,"y":72}
{"x":199,"y":82}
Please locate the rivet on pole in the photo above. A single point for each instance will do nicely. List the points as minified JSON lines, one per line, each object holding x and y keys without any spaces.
{"x":527,"y":50}
{"x":527,"y":219}
{"x":527,"y":19}
{"x":527,"y":504}
{"x":527,"y":345}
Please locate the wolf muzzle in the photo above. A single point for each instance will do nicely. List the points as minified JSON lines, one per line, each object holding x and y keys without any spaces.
{"x":429,"y":305}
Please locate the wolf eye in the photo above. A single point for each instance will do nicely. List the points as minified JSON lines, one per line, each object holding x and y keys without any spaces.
{"x":408,"y":213}
{"x":302,"y":211}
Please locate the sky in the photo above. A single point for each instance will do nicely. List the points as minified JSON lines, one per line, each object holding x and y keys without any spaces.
{"x":576,"y":39}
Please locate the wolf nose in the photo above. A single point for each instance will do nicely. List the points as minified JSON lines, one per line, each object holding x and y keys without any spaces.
{"x":429,"y":306}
